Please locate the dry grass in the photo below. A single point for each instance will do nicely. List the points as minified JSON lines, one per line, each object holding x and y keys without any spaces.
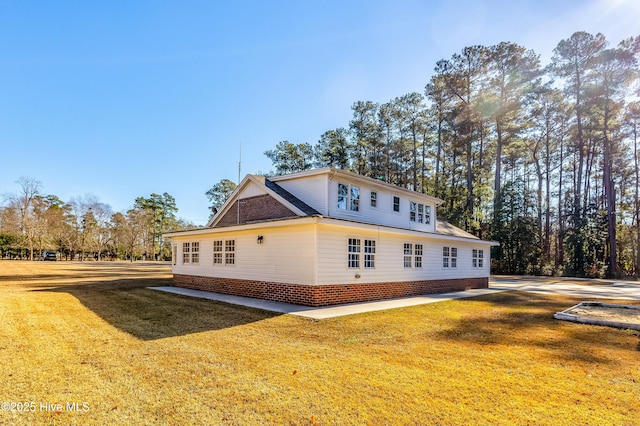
{"x":92,"y":333}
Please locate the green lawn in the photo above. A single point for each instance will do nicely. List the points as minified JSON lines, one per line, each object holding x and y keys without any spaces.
{"x":93,"y":334}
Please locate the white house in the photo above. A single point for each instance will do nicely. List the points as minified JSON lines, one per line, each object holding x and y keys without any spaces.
{"x":326,"y":236}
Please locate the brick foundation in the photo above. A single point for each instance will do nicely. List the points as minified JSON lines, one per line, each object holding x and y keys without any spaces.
{"x":325,"y":295}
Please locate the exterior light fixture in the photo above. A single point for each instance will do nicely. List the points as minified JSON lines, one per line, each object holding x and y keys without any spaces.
{"x":260,"y":239}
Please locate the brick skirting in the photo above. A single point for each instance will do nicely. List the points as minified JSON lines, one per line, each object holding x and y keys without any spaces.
{"x":325,"y":295}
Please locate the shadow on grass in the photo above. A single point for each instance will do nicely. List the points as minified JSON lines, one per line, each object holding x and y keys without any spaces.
{"x":526,"y":320}
{"x":130,"y":306}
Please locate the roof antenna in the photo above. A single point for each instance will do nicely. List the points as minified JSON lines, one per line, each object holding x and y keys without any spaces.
{"x":239,"y":170}
{"x":240,"y":164}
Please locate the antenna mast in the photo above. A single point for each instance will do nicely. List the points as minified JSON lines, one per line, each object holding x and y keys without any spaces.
{"x":240,"y":164}
{"x":239,"y":170}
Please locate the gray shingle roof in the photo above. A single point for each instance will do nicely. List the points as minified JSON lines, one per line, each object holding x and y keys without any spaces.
{"x":307,"y":209}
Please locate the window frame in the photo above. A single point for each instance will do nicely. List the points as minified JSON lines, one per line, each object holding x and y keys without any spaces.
{"x":477,"y":258}
{"x":186,"y":253}
{"x":195,"y":252}
{"x":354,"y":248}
{"x":407,"y":255}
{"x":369,"y":250}
{"x":229,"y":252}
{"x":395,"y":206}
{"x":418,"y":253}
{"x":450,"y":257}
{"x":218,"y":252}
{"x":349,"y":200}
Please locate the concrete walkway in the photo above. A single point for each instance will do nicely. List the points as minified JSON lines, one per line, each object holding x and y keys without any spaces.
{"x":328,"y":311}
{"x":568,"y":287}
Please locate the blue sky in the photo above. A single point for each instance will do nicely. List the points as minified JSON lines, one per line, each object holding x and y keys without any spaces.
{"x":120,"y":99}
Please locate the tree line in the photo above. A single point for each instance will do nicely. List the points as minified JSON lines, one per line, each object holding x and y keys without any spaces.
{"x":542,"y":159}
{"x":84,"y":228}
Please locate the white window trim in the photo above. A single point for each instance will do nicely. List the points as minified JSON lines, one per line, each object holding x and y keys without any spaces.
{"x":360,"y":256}
{"x":349,"y":199}
{"x":449,"y":257}
{"x":477,"y":258}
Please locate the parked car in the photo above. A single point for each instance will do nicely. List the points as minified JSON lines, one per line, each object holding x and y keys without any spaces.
{"x":49,"y":255}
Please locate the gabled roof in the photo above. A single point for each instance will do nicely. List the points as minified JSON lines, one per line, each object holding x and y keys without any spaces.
{"x":281,"y":195}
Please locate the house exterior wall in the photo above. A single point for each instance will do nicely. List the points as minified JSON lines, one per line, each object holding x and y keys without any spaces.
{"x":308,"y":264}
{"x":321,"y":192}
{"x":286,"y":255}
{"x":383,"y":213}
{"x":333,"y":241}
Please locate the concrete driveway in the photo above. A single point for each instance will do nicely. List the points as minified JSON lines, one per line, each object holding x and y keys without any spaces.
{"x":584,"y":288}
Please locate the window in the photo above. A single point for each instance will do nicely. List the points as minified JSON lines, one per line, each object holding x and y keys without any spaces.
{"x":477,"y":258}
{"x":449,"y":257}
{"x":343,"y":195}
{"x":230,"y":252}
{"x":195,"y":252}
{"x":419,"y":213}
{"x":186,"y":256}
{"x":374,"y":199}
{"x":217,"y":252}
{"x":408,"y":252}
{"x":224,"y":252}
{"x":355,"y":249}
{"x":417,"y":258}
{"x":396,"y":204}
{"x":348,"y":197}
{"x":355,"y":199}
{"x":369,"y":254}
{"x":353,"y":260}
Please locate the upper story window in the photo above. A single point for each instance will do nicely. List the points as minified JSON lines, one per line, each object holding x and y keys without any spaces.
{"x":396,"y":204}
{"x":374,"y":199}
{"x":419,"y":213}
{"x":348,"y":197}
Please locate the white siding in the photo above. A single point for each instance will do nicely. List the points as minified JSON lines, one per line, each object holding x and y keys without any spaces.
{"x":286,"y":255}
{"x":383,"y":213}
{"x":251,"y":190}
{"x":389,"y":257}
{"x":312,"y":190}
